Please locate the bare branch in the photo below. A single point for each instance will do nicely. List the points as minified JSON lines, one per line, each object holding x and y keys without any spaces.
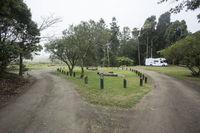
{"x":48,"y":22}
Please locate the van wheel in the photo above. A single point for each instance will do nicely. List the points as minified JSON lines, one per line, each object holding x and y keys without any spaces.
{"x":150,"y":64}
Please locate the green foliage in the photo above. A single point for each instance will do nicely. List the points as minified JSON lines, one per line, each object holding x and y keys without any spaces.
{"x":163,"y":23}
{"x":146,"y":38}
{"x":114,"y":42}
{"x":18,"y":33}
{"x":188,"y":4}
{"x":175,"y":31}
{"x":124,"y":61}
{"x":65,"y":49}
{"x":185,"y":51}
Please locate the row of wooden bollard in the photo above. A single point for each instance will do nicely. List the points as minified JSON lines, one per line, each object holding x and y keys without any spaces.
{"x":72,"y":74}
{"x":66,"y":73}
{"x":143,"y":78}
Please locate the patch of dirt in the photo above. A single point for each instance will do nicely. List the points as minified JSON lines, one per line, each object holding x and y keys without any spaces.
{"x":11,"y":85}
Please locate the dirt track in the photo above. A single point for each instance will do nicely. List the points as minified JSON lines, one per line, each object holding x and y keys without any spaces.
{"x":51,"y":105}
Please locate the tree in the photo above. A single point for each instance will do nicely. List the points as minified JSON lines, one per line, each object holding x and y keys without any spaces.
{"x":114,"y":42}
{"x":135,"y":34}
{"x":29,"y":38}
{"x":101,"y":36}
{"x":163,"y":24}
{"x":65,"y":49}
{"x":147,"y":35}
{"x":184,"y":4}
{"x":84,"y":38}
{"x":124,"y":61}
{"x":185,"y":51}
{"x":15,"y":23}
{"x":175,"y":31}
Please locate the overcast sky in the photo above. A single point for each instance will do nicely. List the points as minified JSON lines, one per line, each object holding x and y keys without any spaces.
{"x":131,"y":13}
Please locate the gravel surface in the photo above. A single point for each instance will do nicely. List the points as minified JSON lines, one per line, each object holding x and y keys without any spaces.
{"x":51,"y":105}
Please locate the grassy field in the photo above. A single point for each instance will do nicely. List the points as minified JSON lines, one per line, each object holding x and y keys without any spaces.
{"x":174,"y":71}
{"x":42,"y":65}
{"x":113,"y":93}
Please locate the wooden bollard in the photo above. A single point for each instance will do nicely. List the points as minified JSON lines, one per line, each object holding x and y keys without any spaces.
{"x":145,"y":79}
{"x":143,"y":76}
{"x":74,"y":74}
{"x":141,"y":82}
{"x":67,"y":73}
{"x":86,"y":79}
{"x":124,"y":83}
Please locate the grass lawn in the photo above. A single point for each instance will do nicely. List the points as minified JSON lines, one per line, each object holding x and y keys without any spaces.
{"x":174,"y":71}
{"x":113,"y":93}
{"x":42,"y":65}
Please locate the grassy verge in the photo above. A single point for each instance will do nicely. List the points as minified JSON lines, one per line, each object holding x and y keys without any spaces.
{"x":174,"y":71}
{"x":113,"y":93}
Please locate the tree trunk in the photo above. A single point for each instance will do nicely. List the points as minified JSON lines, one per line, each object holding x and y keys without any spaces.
{"x":20,"y":64}
{"x":70,"y":71}
{"x":138,"y":52}
{"x":147,"y":47}
{"x":82,"y":69}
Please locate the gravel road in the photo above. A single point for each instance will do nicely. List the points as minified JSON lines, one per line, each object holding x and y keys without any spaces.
{"x":51,"y":105}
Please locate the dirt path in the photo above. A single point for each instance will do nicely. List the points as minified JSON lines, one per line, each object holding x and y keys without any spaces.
{"x":52,"y":105}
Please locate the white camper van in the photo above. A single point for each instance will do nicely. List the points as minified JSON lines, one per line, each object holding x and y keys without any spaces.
{"x":155,"y":62}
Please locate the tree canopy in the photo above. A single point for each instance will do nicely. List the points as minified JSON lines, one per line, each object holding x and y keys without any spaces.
{"x":18,"y":33}
{"x":184,"y":4}
{"x":186,"y":52}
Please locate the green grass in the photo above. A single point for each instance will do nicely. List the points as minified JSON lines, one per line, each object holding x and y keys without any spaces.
{"x":113,"y":93}
{"x":42,"y":65}
{"x":174,"y":71}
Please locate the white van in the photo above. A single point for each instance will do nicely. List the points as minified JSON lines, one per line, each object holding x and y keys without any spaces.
{"x":155,"y":62}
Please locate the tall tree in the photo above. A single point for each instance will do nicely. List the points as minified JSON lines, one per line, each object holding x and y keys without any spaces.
{"x":15,"y":23}
{"x":147,"y":34}
{"x":135,"y":34}
{"x":163,"y":24}
{"x":114,"y":42}
{"x":84,"y":41}
{"x":175,"y":31}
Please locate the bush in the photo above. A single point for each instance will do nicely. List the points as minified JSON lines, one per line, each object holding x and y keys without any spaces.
{"x":185,"y":51}
{"x":124,"y":61}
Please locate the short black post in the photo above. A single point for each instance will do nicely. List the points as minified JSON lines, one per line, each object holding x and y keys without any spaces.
{"x":145,"y":79}
{"x":124,"y":83}
{"x":141,"y":82}
{"x":74,"y":74}
{"x":86,"y":79}
{"x":67,"y":73}
{"x":143,"y":76}
{"x":70,"y":73}
{"x":101,"y":81}
{"x":138,"y":73}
